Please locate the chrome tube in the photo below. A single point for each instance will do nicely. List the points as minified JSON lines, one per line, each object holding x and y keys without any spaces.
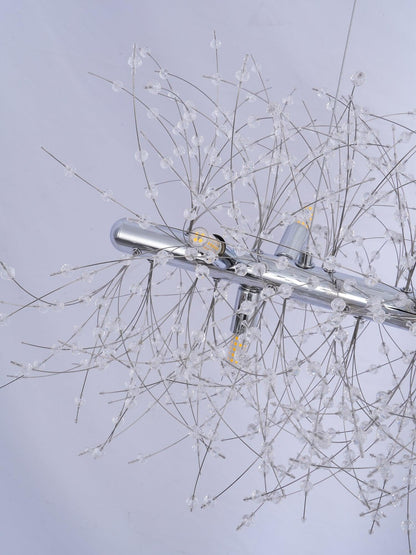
{"x":242,"y":319}
{"x":293,"y":241}
{"x":127,"y":236}
{"x":309,"y":285}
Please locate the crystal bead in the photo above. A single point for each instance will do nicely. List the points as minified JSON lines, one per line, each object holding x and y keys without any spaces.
{"x":285,"y":291}
{"x":407,"y":525}
{"x":69,"y":172}
{"x":107,"y":195}
{"x":144,"y":51}
{"x":153,"y":113}
{"x":141,"y":155}
{"x":162,"y":257}
{"x":201,"y":271}
{"x":153,"y":87}
{"x":134,"y":61}
{"x":358,"y":78}
{"x":117,"y":86}
{"x":215,"y":43}
{"x":338,"y":305}
{"x":166,"y":163}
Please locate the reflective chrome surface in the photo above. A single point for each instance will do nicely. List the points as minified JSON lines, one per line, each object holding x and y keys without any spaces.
{"x":310,"y":285}
{"x":127,"y":236}
{"x":242,"y":317}
{"x":304,"y":260}
{"x":293,"y":241}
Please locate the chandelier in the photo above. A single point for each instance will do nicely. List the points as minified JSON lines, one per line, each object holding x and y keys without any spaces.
{"x":269,"y":289}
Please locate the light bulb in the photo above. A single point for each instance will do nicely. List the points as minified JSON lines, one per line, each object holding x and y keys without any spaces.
{"x":200,"y":239}
{"x":237,"y":349}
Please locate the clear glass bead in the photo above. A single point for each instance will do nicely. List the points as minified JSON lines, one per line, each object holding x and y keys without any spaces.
{"x":135,"y":61}
{"x":153,"y":87}
{"x":144,"y":51}
{"x":215,"y":43}
{"x":201,"y":271}
{"x":407,"y":525}
{"x":338,"y":305}
{"x":117,"y":86}
{"x":358,"y":78}
{"x":166,"y":163}
{"x":153,"y":113}
{"x":7,"y":272}
{"x":285,"y":291}
{"x":69,"y":172}
{"x":141,"y":155}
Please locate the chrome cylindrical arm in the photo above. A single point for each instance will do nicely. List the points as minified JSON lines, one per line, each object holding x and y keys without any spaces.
{"x":308,"y":285}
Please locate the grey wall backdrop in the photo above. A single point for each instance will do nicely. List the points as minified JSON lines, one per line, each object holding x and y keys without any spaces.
{"x":54,"y":501}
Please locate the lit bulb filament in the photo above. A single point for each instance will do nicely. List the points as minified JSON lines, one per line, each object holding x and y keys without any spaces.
{"x":238,"y":347}
{"x":200,"y":239}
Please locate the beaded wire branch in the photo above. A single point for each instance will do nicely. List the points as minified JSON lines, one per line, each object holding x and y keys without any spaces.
{"x":289,"y":401}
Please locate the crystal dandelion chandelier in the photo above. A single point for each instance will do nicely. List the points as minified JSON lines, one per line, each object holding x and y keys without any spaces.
{"x":268,"y":291}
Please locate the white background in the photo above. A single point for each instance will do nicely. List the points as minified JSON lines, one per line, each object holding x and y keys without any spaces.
{"x":53,"y":501}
